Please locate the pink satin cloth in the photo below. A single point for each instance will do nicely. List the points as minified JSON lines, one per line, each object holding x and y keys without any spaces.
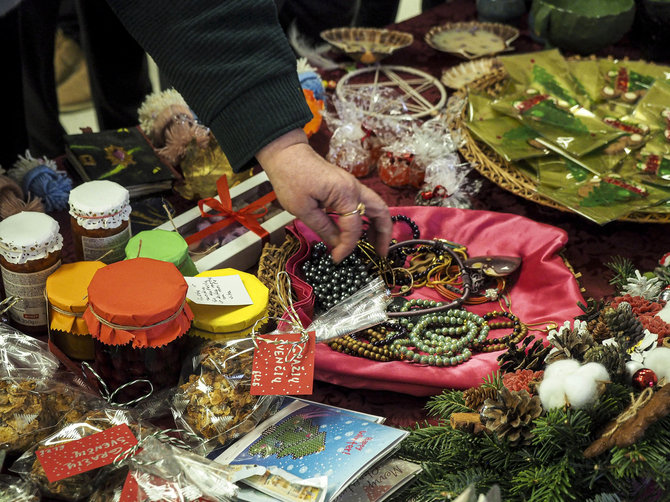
{"x":544,"y":291}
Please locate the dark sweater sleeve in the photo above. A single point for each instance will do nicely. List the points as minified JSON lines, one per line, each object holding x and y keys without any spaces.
{"x":231,"y":62}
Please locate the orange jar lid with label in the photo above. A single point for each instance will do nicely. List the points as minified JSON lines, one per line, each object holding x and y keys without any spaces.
{"x":140,"y":301}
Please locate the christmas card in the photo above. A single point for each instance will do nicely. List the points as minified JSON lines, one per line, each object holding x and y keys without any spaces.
{"x":310,"y":440}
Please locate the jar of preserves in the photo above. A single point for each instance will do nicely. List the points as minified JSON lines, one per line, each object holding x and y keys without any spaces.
{"x":100,"y":220}
{"x":230,"y":322}
{"x":30,"y":251}
{"x":137,"y":314}
{"x":67,"y":294}
{"x":162,"y":245}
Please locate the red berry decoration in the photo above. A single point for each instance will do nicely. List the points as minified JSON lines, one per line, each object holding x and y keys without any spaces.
{"x":644,"y":378}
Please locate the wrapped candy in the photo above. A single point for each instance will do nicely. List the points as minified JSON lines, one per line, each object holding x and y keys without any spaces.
{"x":359,"y":135}
{"x":404,"y":161}
{"x":214,"y":403}
{"x":445,"y":184}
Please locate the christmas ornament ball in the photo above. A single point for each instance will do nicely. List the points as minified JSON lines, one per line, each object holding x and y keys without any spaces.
{"x":644,"y":378}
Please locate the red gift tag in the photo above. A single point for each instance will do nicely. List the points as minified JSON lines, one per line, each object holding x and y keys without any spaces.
{"x":283,"y":364}
{"x":131,"y":491}
{"x":85,"y":454}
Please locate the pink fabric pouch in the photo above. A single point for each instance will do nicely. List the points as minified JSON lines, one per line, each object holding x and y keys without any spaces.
{"x":544,"y":291}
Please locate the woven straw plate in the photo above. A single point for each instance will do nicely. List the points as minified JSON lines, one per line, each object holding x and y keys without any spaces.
{"x":505,"y":174}
{"x":473,"y":39}
{"x":465,"y":73}
{"x":367,"y":45}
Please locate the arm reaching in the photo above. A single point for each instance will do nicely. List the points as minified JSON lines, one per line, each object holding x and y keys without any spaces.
{"x":306,"y":184}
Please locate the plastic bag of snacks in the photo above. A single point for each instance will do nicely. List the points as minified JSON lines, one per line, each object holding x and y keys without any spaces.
{"x":160,"y":471}
{"x":214,"y":402}
{"x":23,"y":355}
{"x":403,"y":162}
{"x":13,"y":489}
{"x":78,"y":486}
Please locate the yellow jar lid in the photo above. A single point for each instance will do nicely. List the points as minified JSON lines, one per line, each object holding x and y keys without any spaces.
{"x":222,"y":319}
{"x":67,"y":291}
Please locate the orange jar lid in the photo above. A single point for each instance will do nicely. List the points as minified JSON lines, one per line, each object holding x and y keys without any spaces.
{"x":67,"y":292}
{"x":140,"y":301}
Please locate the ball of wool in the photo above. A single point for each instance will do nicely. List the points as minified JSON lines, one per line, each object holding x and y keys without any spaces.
{"x":53,"y":187}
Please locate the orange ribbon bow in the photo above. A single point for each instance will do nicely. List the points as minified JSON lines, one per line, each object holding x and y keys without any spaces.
{"x":248,"y":216}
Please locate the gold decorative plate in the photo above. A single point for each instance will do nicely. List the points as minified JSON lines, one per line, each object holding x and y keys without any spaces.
{"x":472,"y":40}
{"x":367,"y":45}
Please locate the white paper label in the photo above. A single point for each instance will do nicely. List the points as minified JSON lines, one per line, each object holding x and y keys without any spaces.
{"x":111,"y":249}
{"x":226,"y":290}
{"x":31,"y":309}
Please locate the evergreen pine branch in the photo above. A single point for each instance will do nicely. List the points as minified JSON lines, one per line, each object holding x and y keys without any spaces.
{"x":443,"y":405}
{"x":623,"y":268}
{"x":427,"y":442}
{"x":541,"y":483}
{"x":438,"y":484}
{"x":613,"y":401}
{"x":561,"y":431}
{"x":493,"y":381}
{"x":605,"y":497}
{"x":500,"y":455}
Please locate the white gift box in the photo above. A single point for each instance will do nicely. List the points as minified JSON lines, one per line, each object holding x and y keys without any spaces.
{"x":233,"y":246}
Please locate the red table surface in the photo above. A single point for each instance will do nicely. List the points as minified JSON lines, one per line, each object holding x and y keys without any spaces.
{"x":588,"y":247}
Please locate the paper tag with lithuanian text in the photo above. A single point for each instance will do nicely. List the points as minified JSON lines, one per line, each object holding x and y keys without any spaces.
{"x":85,"y":454}
{"x":283,"y":364}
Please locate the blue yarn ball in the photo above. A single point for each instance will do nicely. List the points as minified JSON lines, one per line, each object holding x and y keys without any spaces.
{"x":310,"y":80}
{"x":53,"y":187}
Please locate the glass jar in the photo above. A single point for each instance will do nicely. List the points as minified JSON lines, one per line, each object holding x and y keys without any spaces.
{"x":162,"y":245}
{"x":229,"y":322}
{"x":100,"y":220}
{"x":66,"y":292}
{"x":137,"y":314}
{"x":30,"y":251}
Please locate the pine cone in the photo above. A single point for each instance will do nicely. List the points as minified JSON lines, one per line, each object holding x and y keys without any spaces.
{"x":624,"y":325}
{"x":571,"y":344}
{"x":474,"y":397}
{"x":511,"y":415}
{"x":524,"y":357}
{"x":599,"y":330}
{"x":591,"y":310}
{"x":610,"y":356}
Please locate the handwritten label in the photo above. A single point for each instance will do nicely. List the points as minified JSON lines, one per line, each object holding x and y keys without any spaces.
{"x":223,"y":290}
{"x":280,"y":368}
{"x":85,"y":454}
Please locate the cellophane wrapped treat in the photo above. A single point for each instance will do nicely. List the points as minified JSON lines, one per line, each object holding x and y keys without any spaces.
{"x":13,"y":489}
{"x":214,"y":402}
{"x":82,"y":485}
{"x":359,"y":136}
{"x":34,"y":397}
{"x":164,"y":472}
{"x":403,"y":162}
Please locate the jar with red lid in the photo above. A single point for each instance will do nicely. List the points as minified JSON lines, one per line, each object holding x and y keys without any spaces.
{"x":30,"y":251}
{"x":137,"y":314}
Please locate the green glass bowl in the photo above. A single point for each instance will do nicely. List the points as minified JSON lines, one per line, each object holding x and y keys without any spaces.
{"x":582,"y":26}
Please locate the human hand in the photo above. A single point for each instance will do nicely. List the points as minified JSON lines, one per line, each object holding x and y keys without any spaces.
{"x":306,"y":185}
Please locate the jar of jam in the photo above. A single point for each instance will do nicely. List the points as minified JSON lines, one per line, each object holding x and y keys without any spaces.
{"x":67,"y":294}
{"x":162,"y":245}
{"x":30,"y":251}
{"x":230,"y":322}
{"x":137,"y":314}
{"x":100,"y":220}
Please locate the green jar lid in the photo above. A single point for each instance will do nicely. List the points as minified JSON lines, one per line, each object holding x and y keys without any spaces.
{"x":162,"y":245}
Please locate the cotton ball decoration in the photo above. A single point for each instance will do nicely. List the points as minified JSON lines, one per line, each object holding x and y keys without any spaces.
{"x":567,"y":382}
{"x":658,"y":360}
{"x":40,"y":177}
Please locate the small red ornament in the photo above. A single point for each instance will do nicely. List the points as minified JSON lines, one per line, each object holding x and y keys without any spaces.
{"x":644,"y":378}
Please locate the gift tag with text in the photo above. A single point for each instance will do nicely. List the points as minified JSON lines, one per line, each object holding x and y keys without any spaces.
{"x":85,"y":454}
{"x":222,"y":290}
{"x":283,"y":365}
